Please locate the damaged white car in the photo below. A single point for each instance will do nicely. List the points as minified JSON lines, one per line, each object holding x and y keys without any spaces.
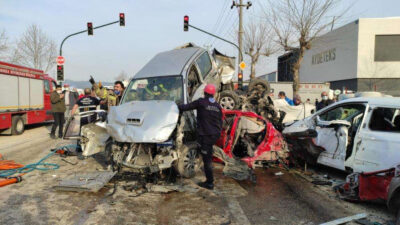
{"x":354,"y":135}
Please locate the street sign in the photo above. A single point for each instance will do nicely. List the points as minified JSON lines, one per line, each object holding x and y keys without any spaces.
{"x":242,"y":65}
{"x":60,"y":60}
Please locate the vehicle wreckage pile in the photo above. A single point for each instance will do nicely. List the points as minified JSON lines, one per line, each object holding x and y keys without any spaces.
{"x":146,"y":134}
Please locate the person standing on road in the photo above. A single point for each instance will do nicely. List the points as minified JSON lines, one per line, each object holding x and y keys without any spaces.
{"x":282,"y":95}
{"x":58,"y":110}
{"x":209,"y":126}
{"x":324,"y":102}
{"x":118,"y":91}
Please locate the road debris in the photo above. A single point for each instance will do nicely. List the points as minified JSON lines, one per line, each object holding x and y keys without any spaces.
{"x":86,"y":182}
{"x":346,"y":219}
{"x":279,"y":174}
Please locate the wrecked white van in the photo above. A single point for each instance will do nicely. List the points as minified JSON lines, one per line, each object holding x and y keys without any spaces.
{"x":354,"y":135}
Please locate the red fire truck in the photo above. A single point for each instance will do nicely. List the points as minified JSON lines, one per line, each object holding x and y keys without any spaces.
{"x":24,"y":97}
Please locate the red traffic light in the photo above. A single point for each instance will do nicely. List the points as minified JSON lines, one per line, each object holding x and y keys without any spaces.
{"x":122,"y":19}
{"x":240,"y":76}
{"x":185,"y":23}
{"x":90,"y":28}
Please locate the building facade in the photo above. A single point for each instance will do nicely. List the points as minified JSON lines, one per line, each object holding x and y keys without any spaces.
{"x":363,"y":56}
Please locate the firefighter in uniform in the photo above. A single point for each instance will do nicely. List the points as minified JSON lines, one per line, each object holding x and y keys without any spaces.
{"x":100,"y":92}
{"x":156,"y":92}
{"x":87,"y":103}
{"x":209,"y":126}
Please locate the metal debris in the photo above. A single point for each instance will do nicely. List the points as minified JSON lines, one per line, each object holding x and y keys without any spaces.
{"x":346,"y":219}
{"x":234,"y":168}
{"x":86,"y":182}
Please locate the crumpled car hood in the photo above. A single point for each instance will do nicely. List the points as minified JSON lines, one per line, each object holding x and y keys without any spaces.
{"x":143,"y":121}
{"x":299,"y":126}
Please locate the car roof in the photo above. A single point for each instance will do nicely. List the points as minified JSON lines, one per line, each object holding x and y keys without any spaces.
{"x":394,"y":101}
{"x":168,"y":63}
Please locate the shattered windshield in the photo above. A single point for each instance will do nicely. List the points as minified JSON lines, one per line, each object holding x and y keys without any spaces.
{"x":155,"y":88}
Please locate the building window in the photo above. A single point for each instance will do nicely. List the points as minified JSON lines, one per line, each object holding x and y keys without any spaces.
{"x":387,"y":48}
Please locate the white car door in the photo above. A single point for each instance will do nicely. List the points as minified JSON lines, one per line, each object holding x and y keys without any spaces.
{"x":333,"y":128}
{"x":378,"y":146}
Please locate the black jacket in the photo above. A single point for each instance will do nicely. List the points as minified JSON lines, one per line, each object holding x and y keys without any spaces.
{"x":209,"y":115}
{"x":324,"y":103}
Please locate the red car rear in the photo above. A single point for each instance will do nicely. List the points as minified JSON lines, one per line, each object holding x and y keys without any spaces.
{"x":251,"y":138}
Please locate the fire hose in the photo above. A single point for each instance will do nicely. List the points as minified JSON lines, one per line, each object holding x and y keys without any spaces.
{"x":12,"y":172}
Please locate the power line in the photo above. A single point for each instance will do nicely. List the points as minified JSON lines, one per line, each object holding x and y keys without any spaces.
{"x":221,"y":14}
{"x":225,"y":19}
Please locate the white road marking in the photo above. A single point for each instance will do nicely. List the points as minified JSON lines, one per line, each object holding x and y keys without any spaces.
{"x":237,"y":212}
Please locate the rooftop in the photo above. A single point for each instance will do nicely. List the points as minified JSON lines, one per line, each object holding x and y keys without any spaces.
{"x":168,"y":63}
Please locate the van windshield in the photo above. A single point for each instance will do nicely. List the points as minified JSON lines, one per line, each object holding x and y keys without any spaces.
{"x":155,"y":88}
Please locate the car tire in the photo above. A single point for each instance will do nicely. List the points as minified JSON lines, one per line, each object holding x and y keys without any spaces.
{"x":188,"y":162}
{"x":228,"y":100}
{"x":18,"y":125}
{"x":254,"y":82}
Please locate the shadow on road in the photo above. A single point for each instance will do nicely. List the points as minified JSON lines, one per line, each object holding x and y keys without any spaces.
{"x":32,"y":126}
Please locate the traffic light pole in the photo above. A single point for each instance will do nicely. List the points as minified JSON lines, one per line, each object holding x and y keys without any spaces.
{"x":83,"y":31}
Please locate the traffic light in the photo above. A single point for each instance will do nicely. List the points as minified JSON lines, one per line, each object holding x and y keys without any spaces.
{"x":122,"y":19}
{"x":240,"y":81}
{"x":60,"y":72}
{"x":89,"y":28}
{"x":185,"y":23}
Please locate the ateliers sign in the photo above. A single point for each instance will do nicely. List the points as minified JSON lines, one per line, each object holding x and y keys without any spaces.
{"x":326,"y":56}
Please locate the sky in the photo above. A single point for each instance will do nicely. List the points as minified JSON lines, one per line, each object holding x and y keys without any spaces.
{"x":151,"y":27}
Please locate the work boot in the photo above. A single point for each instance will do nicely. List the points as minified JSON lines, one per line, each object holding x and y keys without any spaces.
{"x":53,"y":136}
{"x":209,"y":186}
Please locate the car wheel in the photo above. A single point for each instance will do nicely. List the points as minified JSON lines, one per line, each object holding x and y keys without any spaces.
{"x":255,"y":82}
{"x":18,"y":125}
{"x":228,"y":100}
{"x":188,"y":162}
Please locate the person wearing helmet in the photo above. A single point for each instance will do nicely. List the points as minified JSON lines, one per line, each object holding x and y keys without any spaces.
{"x":209,"y":126}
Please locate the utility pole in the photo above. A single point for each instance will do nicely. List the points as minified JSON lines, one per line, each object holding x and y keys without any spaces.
{"x":240,"y":38}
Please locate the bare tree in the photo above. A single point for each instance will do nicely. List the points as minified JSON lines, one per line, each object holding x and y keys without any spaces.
{"x":297,"y":23}
{"x":3,"y":44}
{"x":258,"y":41}
{"x":35,"y":49}
{"x":122,"y":76}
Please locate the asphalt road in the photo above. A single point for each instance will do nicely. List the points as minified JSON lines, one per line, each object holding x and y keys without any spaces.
{"x":274,"y":199}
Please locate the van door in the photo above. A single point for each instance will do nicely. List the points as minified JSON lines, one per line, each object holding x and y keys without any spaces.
{"x":379,"y":140}
{"x":334,"y":133}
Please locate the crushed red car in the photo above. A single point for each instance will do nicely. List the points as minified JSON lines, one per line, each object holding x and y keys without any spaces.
{"x":380,"y":186}
{"x":247,"y":139}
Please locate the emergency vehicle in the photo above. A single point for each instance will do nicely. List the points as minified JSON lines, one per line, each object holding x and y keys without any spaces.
{"x":24,"y":97}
